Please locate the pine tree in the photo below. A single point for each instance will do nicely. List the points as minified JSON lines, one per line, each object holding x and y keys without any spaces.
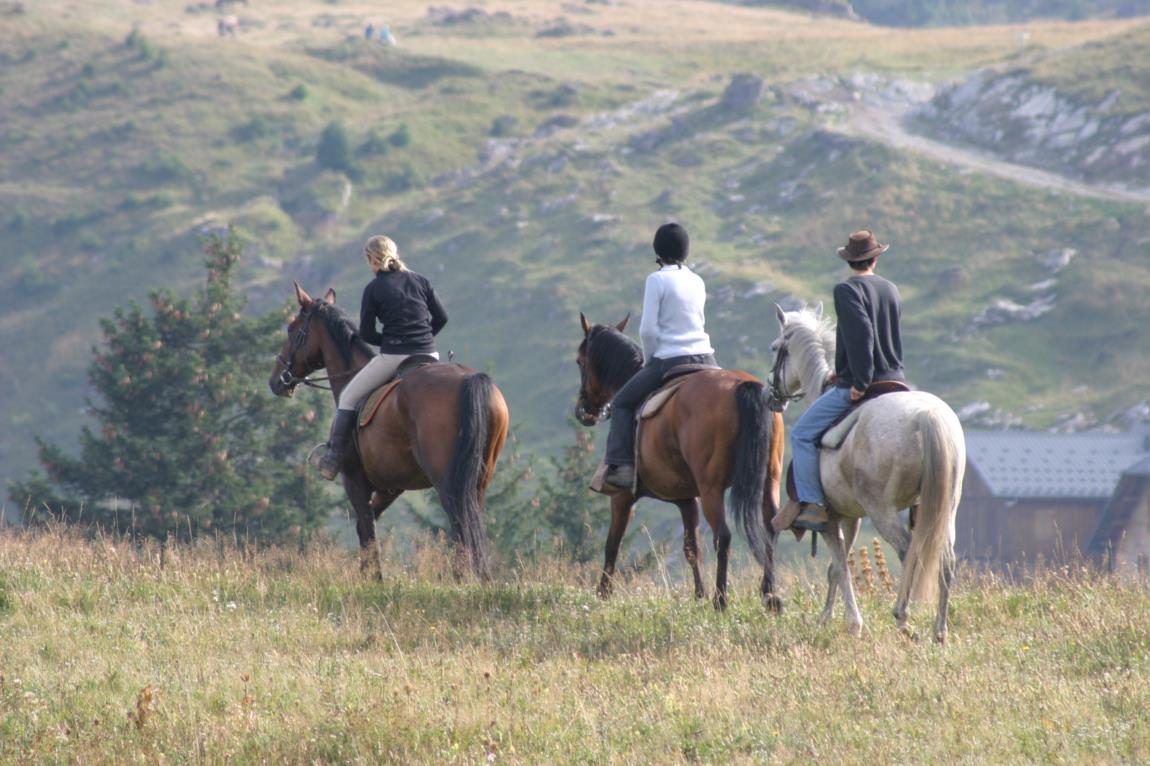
{"x":188,"y":439}
{"x":567,"y":506}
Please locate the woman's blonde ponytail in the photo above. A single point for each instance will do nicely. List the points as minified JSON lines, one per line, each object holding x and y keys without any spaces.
{"x":383,"y":255}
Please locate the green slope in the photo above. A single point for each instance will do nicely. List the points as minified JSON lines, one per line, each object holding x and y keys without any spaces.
{"x":537,"y":168}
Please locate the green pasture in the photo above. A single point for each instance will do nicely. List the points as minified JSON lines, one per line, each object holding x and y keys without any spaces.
{"x":213,"y":654}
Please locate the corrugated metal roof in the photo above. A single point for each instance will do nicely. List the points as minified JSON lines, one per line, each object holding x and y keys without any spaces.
{"x":1017,"y":464}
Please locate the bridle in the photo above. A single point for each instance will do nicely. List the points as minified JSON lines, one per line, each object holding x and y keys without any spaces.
{"x":287,"y":377}
{"x":581,"y":411}
{"x":777,"y":396}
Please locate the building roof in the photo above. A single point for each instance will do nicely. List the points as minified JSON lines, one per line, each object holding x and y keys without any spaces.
{"x":1115,"y":518}
{"x":1021,"y":464}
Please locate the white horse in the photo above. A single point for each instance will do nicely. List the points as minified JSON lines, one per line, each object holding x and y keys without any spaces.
{"x":905,"y":450}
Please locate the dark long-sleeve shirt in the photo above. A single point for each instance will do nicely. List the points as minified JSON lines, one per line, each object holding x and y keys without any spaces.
{"x":407,"y":309}
{"x":869,"y":337}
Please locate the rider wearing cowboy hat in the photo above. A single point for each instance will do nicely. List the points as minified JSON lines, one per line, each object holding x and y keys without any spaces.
{"x":407,"y":308}
{"x":868,"y":348}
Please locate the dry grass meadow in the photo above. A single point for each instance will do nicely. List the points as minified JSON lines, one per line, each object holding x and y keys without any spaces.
{"x":209,"y":654}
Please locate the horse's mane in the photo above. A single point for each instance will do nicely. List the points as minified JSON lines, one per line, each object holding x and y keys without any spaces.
{"x":810,"y":339}
{"x":614,"y":358}
{"x":343,"y":332}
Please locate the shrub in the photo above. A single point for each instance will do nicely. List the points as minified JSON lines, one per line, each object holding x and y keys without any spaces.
{"x":400,"y":137}
{"x":374,"y":145}
{"x":503,"y":126}
{"x":334,"y":150}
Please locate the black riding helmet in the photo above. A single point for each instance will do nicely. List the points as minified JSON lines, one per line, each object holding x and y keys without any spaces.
{"x":671,"y":243}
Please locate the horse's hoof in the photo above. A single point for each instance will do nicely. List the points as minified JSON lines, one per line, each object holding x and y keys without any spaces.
{"x":772,"y":603}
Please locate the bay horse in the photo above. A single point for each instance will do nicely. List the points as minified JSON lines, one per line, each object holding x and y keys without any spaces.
{"x":717,"y":431}
{"x":442,"y":426}
{"x":906,"y":450}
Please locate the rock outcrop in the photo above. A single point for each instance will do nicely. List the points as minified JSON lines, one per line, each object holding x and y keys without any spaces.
{"x":1033,"y":123}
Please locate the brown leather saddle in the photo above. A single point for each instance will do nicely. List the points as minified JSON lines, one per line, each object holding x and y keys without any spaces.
{"x":373,"y":402}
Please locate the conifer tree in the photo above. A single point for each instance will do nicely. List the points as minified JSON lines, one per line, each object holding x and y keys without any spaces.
{"x":188,"y":439}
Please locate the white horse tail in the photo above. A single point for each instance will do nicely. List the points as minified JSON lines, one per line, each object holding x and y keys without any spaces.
{"x":931,"y":541}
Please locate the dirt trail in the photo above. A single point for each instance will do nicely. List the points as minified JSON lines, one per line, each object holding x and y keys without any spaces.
{"x":887,"y":125}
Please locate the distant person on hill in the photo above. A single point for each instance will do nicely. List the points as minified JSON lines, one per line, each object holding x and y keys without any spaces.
{"x":672,"y":333}
{"x":868,"y":349}
{"x":409,"y":315}
{"x":386,"y":37}
{"x":369,"y":31}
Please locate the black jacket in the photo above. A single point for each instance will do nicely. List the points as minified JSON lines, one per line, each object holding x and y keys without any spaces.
{"x":406,"y":307}
{"x":869,"y":336}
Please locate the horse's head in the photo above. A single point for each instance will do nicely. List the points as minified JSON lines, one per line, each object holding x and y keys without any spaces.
{"x":800,"y":352}
{"x":606,"y":359}
{"x":301,"y":353}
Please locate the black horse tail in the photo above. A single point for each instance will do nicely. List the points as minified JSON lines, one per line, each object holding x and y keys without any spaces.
{"x":462,"y":497}
{"x":752,"y":452}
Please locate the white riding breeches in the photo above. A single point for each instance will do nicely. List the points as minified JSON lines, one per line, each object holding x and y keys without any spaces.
{"x":373,"y":375}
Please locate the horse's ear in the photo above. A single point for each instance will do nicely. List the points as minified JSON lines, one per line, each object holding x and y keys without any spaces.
{"x":623,"y":324}
{"x":782,"y":315}
{"x":329,"y":296}
{"x":819,"y":310}
{"x":585,"y":323}
{"x":301,"y":296}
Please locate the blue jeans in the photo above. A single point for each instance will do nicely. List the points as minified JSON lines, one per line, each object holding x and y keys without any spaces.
{"x":621,"y":437}
{"x":805,"y":435}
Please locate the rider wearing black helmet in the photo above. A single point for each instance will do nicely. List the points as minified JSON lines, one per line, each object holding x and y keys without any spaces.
{"x":672,"y":332}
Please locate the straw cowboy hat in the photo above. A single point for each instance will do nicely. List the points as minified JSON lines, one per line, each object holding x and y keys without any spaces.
{"x":861,"y":246}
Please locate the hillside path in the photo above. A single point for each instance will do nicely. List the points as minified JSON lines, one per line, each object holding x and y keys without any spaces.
{"x":886,"y":125}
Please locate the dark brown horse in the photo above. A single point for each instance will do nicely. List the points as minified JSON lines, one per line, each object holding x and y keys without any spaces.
{"x":442,"y":426}
{"x":716,"y":432}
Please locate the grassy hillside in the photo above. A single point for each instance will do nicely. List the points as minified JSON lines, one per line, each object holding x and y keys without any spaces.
{"x":522,"y":155}
{"x":206,"y":655}
{"x":1093,"y":71}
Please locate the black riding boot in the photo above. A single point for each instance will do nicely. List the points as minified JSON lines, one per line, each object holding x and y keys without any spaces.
{"x":337,"y":443}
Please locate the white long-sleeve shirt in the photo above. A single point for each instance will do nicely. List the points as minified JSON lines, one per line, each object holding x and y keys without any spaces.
{"x":672,"y":322}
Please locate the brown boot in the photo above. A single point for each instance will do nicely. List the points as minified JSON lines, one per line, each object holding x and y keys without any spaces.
{"x":812,"y":517}
{"x":332,"y":461}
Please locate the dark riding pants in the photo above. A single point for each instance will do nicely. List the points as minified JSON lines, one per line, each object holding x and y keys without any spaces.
{"x":621,"y":437}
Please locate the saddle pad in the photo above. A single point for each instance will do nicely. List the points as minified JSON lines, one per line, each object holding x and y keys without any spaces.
{"x":369,"y":408}
{"x":836,"y":434}
{"x":655,"y":401}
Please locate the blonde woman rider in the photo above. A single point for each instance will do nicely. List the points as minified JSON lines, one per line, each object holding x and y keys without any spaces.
{"x":409,"y":316}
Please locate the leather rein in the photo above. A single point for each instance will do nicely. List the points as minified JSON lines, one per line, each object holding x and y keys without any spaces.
{"x":287,"y":377}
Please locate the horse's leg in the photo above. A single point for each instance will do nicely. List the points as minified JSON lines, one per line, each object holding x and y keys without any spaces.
{"x":716,"y":515}
{"x":381,"y":500}
{"x":771,"y":494}
{"x":850,"y":528}
{"x":945,"y":581}
{"x":889,"y":525}
{"x":833,"y":537}
{"x":910,"y":516}
{"x":689,"y":510}
{"x":621,"y":505}
{"x":359,"y":493}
